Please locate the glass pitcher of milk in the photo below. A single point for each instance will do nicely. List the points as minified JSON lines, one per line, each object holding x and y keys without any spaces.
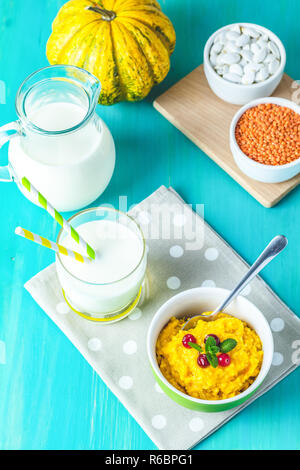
{"x":59,"y":142}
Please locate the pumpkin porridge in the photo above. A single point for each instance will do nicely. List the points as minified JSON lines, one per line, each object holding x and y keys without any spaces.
{"x":213,"y":361}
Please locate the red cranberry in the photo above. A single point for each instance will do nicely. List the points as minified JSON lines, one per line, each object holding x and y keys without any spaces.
{"x":188,"y":339}
{"x":202,"y":361}
{"x":214,"y":336}
{"x":224,"y":360}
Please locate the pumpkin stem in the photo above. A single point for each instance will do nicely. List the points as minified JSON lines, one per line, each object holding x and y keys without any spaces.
{"x":107,"y":15}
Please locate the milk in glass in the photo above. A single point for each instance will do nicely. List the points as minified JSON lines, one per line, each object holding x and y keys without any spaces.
{"x":108,"y":285}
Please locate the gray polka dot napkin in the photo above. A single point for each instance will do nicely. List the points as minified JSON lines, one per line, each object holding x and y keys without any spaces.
{"x":184,"y":252}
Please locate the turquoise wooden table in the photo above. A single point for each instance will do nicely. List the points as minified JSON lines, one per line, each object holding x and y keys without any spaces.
{"x":50,"y":398}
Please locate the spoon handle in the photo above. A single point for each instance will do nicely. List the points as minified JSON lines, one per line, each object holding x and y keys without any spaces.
{"x":273,"y":249}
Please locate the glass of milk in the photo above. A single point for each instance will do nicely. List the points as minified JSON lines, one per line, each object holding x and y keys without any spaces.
{"x":108,"y":288}
{"x":59,"y":142}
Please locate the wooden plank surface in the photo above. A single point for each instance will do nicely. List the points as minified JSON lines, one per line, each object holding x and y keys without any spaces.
{"x":192,"y":107}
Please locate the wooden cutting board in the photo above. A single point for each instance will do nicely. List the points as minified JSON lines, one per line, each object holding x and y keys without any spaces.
{"x":195,"y":110}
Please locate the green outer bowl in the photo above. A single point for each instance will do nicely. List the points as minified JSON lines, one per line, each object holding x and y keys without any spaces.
{"x":200,"y":406}
{"x":198,"y":300}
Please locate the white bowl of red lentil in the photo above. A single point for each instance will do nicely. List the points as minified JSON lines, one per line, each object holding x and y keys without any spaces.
{"x":265,"y":139}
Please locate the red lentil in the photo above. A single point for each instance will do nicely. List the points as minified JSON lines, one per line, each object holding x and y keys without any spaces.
{"x":269,"y":134}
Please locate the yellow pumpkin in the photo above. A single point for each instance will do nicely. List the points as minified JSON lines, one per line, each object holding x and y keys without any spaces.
{"x":126,"y":44}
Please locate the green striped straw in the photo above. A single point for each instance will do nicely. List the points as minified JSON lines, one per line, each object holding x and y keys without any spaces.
{"x":22,"y":232}
{"x":39,"y":198}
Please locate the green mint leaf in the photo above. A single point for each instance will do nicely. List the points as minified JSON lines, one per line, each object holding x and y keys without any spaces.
{"x":211,"y":347}
{"x":210,"y":342}
{"x":195,"y":346}
{"x":212,"y":359}
{"x":228,"y":345}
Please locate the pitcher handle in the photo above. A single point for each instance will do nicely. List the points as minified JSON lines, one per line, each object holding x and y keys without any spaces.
{"x":6,"y":173}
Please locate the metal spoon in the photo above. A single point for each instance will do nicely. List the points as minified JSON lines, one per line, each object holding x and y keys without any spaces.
{"x":270,"y":252}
